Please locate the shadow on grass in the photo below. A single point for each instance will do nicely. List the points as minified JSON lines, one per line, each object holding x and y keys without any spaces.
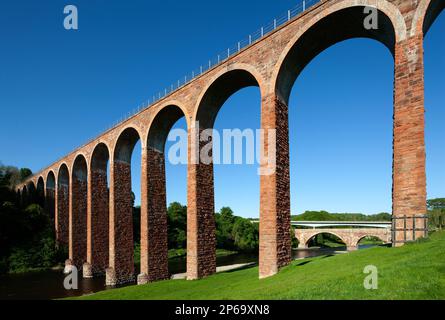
{"x":249,"y":266}
{"x":303,"y":263}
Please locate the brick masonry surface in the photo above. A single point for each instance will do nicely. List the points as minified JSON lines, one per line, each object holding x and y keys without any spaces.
{"x":78,"y":232}
{"x":99,"y":223}
{"x":122,"y":251}
{"x":154,"y":222}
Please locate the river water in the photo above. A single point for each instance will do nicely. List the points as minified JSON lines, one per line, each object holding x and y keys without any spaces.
{"x":49,"y":284}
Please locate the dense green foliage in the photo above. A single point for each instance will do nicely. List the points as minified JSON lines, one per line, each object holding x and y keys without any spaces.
{"x":11,"y":176}
{"x":235,"y":233}
{"x":436,"y":213}
{"x":232,"y":233}
{"x":177,"y":226}
{"x":27,"y":239}
{"x":438,"y":203}
{"x":414,"y":271}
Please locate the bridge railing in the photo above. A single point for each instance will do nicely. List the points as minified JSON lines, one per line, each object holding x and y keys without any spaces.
{"x":212,"y":63}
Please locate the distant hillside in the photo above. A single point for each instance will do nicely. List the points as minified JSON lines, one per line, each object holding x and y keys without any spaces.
{"x":326,"y":216}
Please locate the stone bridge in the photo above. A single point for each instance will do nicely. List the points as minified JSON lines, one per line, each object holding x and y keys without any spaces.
{"x":351,"y":237}
{"x":93,"y":211}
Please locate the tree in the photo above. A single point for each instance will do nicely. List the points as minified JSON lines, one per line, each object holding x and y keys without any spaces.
{"x":224,"y":224}
{"x":326,"y":216}
{"x":177,"y":226}
{"x":11,"y":176}
{"x":25,"y":173}
{"x":246,"y":235}
{"x":438,"y":203}
{"x":436,"y":212}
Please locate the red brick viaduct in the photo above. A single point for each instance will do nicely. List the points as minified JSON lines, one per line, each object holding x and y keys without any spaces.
{"x":96,"y":223}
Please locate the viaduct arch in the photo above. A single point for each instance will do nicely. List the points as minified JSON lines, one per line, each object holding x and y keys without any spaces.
{"x":84,"y":211}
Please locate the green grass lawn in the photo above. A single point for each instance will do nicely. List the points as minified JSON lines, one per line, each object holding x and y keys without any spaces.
{"x":414,"y":271}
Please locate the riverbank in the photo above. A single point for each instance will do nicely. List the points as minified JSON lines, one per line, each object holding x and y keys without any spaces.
{"x":414,"y":271}
{"x":48,"y":284}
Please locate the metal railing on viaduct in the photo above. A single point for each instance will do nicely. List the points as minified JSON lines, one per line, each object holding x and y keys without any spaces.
{"x":93,"y":208}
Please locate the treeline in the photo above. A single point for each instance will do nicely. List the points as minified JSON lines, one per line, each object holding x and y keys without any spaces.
{"x":436,"y":213}
{"x":232,"y":232}
{"x":326,"y":216}
{"x":27,"y":239}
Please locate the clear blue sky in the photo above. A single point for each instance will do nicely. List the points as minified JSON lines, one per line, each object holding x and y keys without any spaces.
{"x":60,"y":88}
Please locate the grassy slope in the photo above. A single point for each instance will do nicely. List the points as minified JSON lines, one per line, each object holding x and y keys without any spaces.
{"x":415,"y":271}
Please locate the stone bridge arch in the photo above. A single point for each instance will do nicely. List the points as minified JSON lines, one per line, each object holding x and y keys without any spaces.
{"x":24,"y":196}
{"x":351,"y":237}
{"x":50,"y":195}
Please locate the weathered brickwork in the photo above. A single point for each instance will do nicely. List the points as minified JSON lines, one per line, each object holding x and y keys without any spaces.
{"x":62,"y":215}
{"x":78,"y":225}
{"x":50,"y":202}
{"x":99,"y":226}
{"x":283,"y":185}
{"x":275,"y":191}
{"x":121,"y":263}
{"x":201,"y":239}
{"x":409,"y":180}
{"x":154,"y":241}
{"x":273,"y":64}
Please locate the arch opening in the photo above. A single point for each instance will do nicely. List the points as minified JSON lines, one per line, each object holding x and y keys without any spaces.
{"x":159,"y":231}
{"x":343,"y":120}
{"x":50,"y":197}
{"x":337,"y":27}
{"x":235,"y":87}
{"x":434,"y":62}
{"x":125,"y":145}
{"x":124,"y":231}
{"x":24,"y":201}
{"x":326,"y":240}
{"x":98,"y":220}
{"x":218,"y":93}
{"x":31,"y":193}
{"x":62,"y":207}
{"x":40,"y":192}
{"x":370,"y":241}
{"x":435,"y":8}
{"x":78,"y":212}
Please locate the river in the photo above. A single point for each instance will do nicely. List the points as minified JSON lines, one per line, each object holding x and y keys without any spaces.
{"x":49,"y":284}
